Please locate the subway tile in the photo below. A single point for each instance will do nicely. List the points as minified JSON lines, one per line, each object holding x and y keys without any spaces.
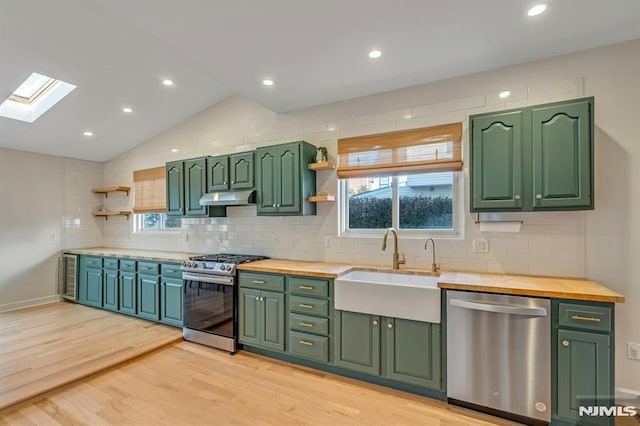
{"x":398,"y":114}
{"x":365,"y":120}
{"x":448,"y":118}
{"x":569,"y":85}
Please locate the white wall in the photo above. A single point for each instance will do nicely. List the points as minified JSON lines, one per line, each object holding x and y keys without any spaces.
{"x":35,"y":204}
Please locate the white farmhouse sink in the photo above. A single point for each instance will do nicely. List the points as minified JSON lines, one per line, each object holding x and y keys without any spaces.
{"x":392,"y":294}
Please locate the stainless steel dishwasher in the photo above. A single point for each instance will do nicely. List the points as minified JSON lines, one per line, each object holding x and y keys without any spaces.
{"x":499,"y":353}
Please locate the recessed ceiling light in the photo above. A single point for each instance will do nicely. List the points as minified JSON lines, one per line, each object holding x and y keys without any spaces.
{"x":167,"y":82}
{"x":87,"y":133}
{"x":174,"y":150}
{"x":537,"y":9}
{"x":504,"y":94}
{"x":127,"y":109}
{"x":375,"y":54}
{"x":267,"y":82}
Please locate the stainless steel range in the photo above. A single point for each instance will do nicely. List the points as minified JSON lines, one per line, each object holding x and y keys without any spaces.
{"x":211,"y":299}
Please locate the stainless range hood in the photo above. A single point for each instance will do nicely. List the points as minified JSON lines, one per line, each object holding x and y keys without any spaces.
{"x":229,"y":198}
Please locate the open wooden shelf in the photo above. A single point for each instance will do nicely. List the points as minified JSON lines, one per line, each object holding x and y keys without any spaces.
{"x":107,"y":213}
{"x":325,"y":165}
{"x":109,"y":189}
{"x":321,"y":198}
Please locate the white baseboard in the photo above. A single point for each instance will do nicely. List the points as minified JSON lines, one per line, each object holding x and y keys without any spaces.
{"x":28,"y":303}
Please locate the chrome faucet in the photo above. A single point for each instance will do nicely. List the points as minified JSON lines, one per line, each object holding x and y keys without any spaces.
{"x":396,"y":257}
{"x":434,"y":267}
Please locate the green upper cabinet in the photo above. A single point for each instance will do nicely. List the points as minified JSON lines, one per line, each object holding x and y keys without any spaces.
{"x":195,"y":186}
{"x":218,"y":173}
{"x":186,"y":184}
{"x":497,"y":161}
{"x":534,"y":158}
{"x":562,"y":144}
{"x":235,"y":171}
{"x":175,"y":188}
{"x":283,"y":179}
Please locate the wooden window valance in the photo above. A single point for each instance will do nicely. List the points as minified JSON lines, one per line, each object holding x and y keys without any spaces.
{"x":149,"y":187}
{"x":436,"y":149}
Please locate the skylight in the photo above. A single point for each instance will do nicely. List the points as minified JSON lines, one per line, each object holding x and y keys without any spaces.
{"x":35,"y":96}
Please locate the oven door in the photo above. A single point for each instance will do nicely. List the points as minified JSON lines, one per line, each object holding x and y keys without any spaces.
{"x":209,"y":304}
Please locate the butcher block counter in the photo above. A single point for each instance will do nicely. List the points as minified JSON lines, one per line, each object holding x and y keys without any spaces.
{"x":562,"y":288}
{"x":297,"y":267}
{"x":161,"y":256}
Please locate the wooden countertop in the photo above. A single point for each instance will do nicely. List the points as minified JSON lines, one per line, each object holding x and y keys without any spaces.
{"x":161,"y":256}
{"x":297,"y":267}
{"x":564,"y":288}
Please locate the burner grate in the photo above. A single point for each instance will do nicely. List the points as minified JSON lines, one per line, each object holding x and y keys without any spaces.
{"x":228,"y":258}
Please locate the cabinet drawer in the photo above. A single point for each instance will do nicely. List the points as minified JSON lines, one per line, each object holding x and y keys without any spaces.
{"x":261,"y":281}
{"x":110,"y":263}
{"x":309,"y":346}
{"x":584,"y":316}
{"x":127,"y":265}
{"x":149,"y":268}
{"x":309,"y":324}
{"x":308,"y":287}
{"x":170,"y":270}
{"x":93,"y":262}
{"x":308,"y":305}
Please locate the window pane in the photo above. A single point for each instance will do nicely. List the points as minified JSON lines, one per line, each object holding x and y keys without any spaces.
{"x":150,"y":221}
{"x":369,"y":203}
{"x":171,"y":222}
{"x":426,"y":201}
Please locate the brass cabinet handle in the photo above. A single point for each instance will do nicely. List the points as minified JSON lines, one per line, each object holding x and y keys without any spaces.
{"x":277,"y":205}
{"x":305,"y":287}
{"x":375,"y":322}
{"x":274,"y":205}
{"x":261,"y":299}
{"x":305,"y":324}
{"x":390,"y":325}
{"x":516,"y":197}
{"x":232,"y":182}
{"x":304,"y":305}
{"x":257,"y":298}
{"x":565,"y":343}
{"x":581,"y":318}
{"x":538,"y":196}
{"x":257,"y":282}
{"x":304,"y":342}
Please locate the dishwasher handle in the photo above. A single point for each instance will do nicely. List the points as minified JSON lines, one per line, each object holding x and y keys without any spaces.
{"x":499,"y":308}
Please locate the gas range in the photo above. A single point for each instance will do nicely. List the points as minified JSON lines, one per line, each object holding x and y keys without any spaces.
{"x":217,"y":264}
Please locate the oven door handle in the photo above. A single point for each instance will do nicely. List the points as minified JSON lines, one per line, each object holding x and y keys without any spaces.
{"x":208,"y":278}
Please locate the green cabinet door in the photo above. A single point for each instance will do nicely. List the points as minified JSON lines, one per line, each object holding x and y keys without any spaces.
{"x":249,"y":321}
{"x":496,"y":161}
{"x":242,"y":170}
{"x":273,"y":327}
{"x":358,"y":342}
{"x":413,"y":352}
{"x":288,"y":158}
{"x":218,"y":173}
{"x":127,"y":293}
{"x":267,"y":180}
{"x":171,"y":301}
{"x":110,"y":290}
{"x":195,"y":186}
{"x":93,"y":287}
{"x":584,"y":370}
{"x":148,"y":297}
{"x":562,"y":155}
{"x":175,"y":188}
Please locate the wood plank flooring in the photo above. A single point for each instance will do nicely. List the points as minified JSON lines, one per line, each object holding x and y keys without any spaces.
{"x":44,"y":347}
{"x":189,"y":384}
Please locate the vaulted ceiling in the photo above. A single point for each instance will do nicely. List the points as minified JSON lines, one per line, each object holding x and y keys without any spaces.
{"x":117,"y":52}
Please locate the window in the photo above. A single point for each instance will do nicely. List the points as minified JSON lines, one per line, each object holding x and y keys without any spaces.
{"x":406,"y":180}
{"x":149,"y":206}
{"x":155,"y":222}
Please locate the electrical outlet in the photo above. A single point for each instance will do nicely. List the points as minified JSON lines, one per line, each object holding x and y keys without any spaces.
{"x":633,"y":350}
{"x":274,"y":240}
{"x":481,"y":246}
{"x":327,"y":241}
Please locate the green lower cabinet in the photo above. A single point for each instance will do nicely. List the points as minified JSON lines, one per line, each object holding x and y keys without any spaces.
{"x":149,"y":297}
{"x":127,"y":293}
{"x":93,"y":288}
{"x":110,"y":290}
{"x":584,"y":372}
{"x":171,"y":301}
{"x":413,"y":352}
{"x":409,"y":352}
{"x":358,"y":342}
{"x":262,"y":319}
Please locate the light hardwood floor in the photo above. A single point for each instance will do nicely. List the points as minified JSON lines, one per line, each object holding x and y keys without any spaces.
{"x":44,"y":347}
{"x":189,"y":384}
